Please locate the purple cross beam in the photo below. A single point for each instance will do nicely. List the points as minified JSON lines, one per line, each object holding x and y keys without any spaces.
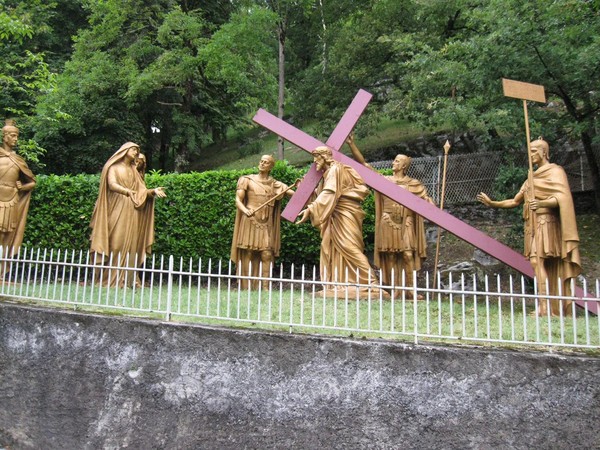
{"x":309,"y":143}
{"x":386,"y":187}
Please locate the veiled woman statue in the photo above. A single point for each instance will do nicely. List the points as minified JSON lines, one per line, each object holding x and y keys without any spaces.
{"x":123,"y":219}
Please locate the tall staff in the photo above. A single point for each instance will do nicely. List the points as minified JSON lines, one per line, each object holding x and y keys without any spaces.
{"x":439,"y":229}
{"x":535,"y":93}
{"x":278,"y":196}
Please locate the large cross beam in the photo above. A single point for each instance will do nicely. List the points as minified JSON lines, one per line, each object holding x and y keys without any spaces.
{"x":386,"y":187}
{"x":309,"y":143}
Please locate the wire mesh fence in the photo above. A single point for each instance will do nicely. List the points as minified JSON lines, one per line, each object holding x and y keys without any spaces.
{"x":471,"y":309}
{"x":469,"y":174}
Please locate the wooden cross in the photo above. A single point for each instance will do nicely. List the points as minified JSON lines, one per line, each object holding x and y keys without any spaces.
{"x":309,"y":143}
{"x":386,"y":187}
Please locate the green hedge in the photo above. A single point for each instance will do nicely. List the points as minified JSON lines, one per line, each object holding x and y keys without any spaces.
{"x":194,"y":221}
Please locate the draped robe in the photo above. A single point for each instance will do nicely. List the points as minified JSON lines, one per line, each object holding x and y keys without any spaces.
{"x":551,"y":233}
{"x":337,"y":212}
{"x":122,"y":226}
{"x":14,"y":203}
{"x":398,"y":229}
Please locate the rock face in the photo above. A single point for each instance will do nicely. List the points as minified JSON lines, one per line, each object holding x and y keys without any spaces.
{"x":430,"y":145}
{"x":71,"y":380}
{"x":484,"y":259}
{"x":433,"y":144}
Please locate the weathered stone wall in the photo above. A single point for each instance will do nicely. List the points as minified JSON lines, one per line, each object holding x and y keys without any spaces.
{"x":71,"y":380}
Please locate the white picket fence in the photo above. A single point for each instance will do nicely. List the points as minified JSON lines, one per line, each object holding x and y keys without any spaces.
{"x":475,"y":311}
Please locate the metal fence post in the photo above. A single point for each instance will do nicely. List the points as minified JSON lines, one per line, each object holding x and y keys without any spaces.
{"x":415,"y":307}
{"x":170,"y":287}
{"x":437,"y":181}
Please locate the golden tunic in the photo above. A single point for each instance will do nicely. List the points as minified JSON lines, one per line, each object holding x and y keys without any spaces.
{"x":14,"y":203}
{"x":399,"y":229}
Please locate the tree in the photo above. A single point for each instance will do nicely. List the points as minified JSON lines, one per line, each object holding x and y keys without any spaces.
{"x":359,"y":56}
{"x":553,"y":44}
{"x":210,"y":81}
{"x":177,"y":71}
{"x":285,"y":11}
{"x":24,"y":74}
{"x":440,"y":64}
{"x":53,"y":24}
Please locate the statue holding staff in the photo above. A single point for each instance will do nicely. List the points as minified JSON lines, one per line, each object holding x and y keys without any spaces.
{"x":16,"y":183}
{"x":123,"y":220}
{"x":551,"y":238}
{"x":400,"y":243}
{"x":256,"y":235}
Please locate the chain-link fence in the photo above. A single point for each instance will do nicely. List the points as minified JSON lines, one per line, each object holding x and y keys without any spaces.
{"x":469,"y":174}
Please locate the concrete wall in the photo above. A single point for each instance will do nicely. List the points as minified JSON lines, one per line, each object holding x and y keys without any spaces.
{"x":75,"y":381}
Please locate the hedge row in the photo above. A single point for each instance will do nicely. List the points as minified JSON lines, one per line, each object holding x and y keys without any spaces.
{"x":194,"y":221}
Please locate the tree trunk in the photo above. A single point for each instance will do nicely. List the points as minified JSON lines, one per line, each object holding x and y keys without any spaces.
{"x":149,"y":147}
{"x":588,"y":147}
{"x":164,"y":150}
{"x":323,"y":39}
{"x":182,"y":158}
{"x":281,"y":97}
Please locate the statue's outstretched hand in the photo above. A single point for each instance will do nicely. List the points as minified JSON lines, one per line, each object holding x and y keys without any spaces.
{"x":304,"y":215}
{"x":483,"y":198}
{"x":350,"y":139}
{"x":159,"y":192}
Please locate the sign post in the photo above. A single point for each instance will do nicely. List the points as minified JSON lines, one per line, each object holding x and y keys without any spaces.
{"x":534,"y":93}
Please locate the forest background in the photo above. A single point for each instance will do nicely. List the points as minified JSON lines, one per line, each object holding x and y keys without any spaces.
{"x":181,"y":78}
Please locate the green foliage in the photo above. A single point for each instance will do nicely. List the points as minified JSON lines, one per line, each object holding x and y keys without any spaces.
{"x":84,"y":119}
{"x":24,"y":74}
{"x":186,"y":69}
{"x":13,"y":28}
{"x":509,"y":180}
{"x":32,"y":152}
{"x":357,"y":57}
{"x":195,"y":220}
{"x":240,"y":57}
{"x":60,"y":212}
{"x":198,"y":69}
{"x":250,"y":148}
{"x":47,"y":25}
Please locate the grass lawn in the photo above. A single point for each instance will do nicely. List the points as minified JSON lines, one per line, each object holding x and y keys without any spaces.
{"x":244,"y":151}
{"x":467,"y":319}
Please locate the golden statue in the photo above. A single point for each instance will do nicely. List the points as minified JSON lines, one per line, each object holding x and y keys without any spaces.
{"x":140,"y":164}
{"x":551,"y":238}
{"x":16,"y":183}
{"x":337,"y":212}
{"x":256,"y":236}
{"x":123,"y":219}
{"x":400,"y":243}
